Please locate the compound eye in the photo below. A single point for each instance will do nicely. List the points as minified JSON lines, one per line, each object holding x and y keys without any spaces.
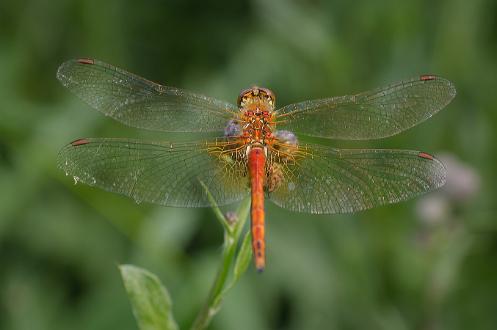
{"x":242,"y":96}
{"x":269,"y":93}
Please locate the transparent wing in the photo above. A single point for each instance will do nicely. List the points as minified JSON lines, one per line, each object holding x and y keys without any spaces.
{"x":373,"y":114}
{"x":160,"y":173}
{"x":138,"y":102}
{"x":329,"y":180}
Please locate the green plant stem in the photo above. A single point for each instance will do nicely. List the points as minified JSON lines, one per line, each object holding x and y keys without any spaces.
{"x":231,"y":238}
{"x":211,"y":305}
{"x":217,"y":212}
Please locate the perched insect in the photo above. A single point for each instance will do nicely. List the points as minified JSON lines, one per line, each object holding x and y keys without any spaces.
{"x":258,"y":150}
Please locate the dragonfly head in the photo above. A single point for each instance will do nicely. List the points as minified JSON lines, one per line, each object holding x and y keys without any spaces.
{"x":256,"y":95}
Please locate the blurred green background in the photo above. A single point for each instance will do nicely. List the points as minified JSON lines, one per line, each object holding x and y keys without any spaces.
{"x":430,"y":263}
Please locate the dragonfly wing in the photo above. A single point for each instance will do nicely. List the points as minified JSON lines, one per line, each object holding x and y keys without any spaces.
{"x":138,"y":102}
{"x":331,"y":180}
{"x":159,"y":173}
{"x":373,"y":114}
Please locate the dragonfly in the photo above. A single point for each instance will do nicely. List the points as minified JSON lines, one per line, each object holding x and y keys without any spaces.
{"x":258,"y":150}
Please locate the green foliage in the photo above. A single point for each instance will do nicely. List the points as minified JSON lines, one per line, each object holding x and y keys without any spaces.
{"x":244,"y":257}
{"x":230,"y":247}
{"x":150,"y":300}
{"x":389,"y":268}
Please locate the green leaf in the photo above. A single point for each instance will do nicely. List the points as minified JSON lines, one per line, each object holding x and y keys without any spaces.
{"x":243,"y":258}
{"x":149,"y":299}
{"x":242,"y":214}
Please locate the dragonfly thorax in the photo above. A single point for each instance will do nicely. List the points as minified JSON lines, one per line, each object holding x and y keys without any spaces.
{"x":257,"y":124}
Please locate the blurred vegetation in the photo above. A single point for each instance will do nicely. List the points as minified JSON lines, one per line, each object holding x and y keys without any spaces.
{"x":426,"y":264}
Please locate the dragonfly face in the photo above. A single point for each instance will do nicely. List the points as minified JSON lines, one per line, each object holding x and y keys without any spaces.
{"x":257,"y":151}
{"x":256,"y":95}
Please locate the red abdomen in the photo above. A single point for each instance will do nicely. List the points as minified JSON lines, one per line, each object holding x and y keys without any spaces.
{"x":256,"y":164}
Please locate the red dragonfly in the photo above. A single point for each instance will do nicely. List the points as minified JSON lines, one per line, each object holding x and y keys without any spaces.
{"x":258,"y":150}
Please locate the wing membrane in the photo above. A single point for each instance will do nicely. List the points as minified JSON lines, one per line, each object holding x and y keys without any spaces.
{"x":140,"y":103}
{"x":340,"y":181}
{"x":160,"y":173}
{"x":373,"y":114}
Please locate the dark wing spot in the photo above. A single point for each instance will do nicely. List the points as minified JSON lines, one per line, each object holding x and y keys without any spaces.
{"x":79,"y":142}
{"x":425,"y":155}
{"x":86,"y":61}
{"x":426,"y":77}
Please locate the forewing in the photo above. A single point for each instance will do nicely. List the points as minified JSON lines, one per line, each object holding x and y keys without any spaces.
{"x":331,"y":180}
{"x":138,"y":102}
{"x":159,"y":173}
{"x":373,"y":114}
